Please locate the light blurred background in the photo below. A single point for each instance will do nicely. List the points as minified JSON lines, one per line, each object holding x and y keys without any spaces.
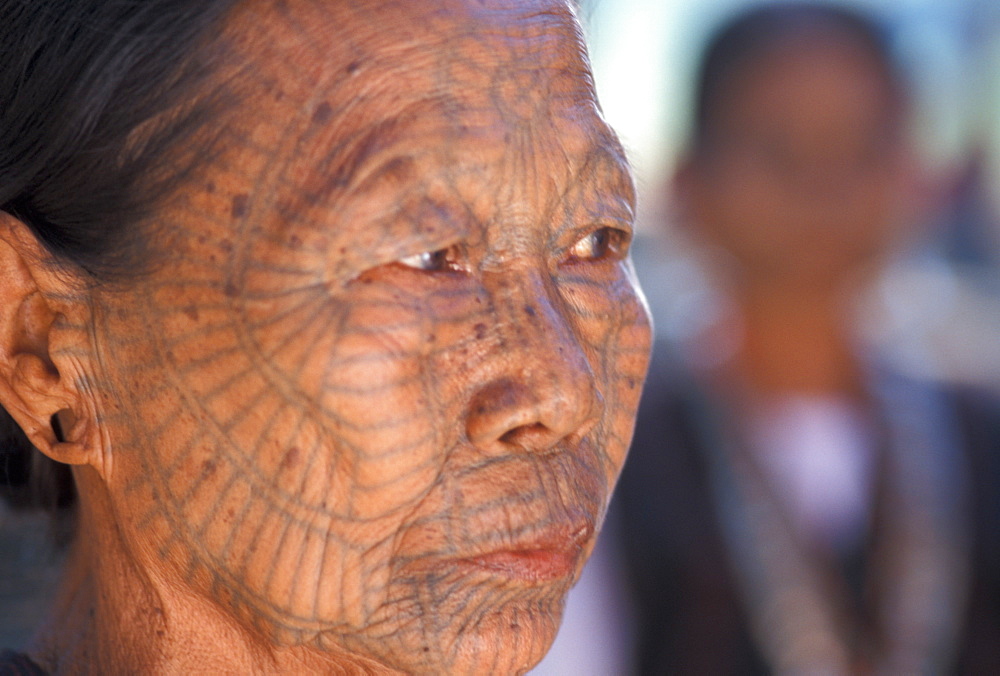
{"x":939,"y":304}
{"x":643,"y":52}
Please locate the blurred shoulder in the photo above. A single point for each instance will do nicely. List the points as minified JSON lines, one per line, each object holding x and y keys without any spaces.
{"x":18,"y":664}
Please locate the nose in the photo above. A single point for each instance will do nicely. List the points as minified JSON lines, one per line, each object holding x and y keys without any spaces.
{"x":539,"y":387}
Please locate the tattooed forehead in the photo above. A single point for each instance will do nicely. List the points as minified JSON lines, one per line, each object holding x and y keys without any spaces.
{"x":425,"y":129}
{"x":373,"y":84}
{"x":424,"y":166}
{"x":360,"y":44}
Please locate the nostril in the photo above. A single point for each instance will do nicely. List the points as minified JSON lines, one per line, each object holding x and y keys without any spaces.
{"x":525,"y":435}
{"x":535,"y":410}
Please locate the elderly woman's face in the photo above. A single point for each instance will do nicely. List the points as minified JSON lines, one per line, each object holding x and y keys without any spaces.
{"x":377,"y":394}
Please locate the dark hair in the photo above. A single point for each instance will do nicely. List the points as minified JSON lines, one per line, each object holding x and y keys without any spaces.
{"x":94,"y":97}
{"x":754,"y":33}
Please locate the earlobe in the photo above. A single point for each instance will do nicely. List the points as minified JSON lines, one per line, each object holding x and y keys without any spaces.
{"x":40,"y":397}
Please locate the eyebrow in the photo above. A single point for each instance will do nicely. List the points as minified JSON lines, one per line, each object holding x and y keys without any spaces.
{"x":348,"y":159}
{"x":357,"y":160}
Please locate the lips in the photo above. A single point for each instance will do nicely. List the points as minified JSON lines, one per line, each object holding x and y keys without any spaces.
{"x":529,"y":566}
{"x":552,"y":556}
{"x":525,"y":518}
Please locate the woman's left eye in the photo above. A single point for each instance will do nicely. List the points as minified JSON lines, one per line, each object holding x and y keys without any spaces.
{"x":439,"y":260}
{"x":599,"y":244}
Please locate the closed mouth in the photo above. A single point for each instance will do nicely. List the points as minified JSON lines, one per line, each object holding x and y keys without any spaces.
{"x":536,"y":565}
{"x":552,"y":556}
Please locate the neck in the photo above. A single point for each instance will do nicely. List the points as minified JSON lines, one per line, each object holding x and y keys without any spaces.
{"x":796,"y":340}
{"x":112,"y":615}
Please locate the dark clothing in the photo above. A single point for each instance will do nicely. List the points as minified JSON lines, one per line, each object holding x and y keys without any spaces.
{"x":689,"y":617}
{"x":17,"y":664}
{"x":691,"y":612}
{"x":979,"y":648}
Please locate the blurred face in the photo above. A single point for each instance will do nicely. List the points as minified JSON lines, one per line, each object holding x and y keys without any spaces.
{"x":805,"y":178}
{"x":376,"y":396}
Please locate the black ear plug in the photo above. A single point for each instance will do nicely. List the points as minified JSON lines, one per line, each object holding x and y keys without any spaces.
{"x":57,"y":428}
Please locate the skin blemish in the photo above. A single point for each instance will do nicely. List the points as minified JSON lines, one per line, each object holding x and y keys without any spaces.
{"x":322,"y":114}
{"x":530,"y":310}
{"x":353,"y":67}
{"x":240,"y":203}
{"x":291,"y":458}
{"x":192,"y":312}
{"x":480,"y":330}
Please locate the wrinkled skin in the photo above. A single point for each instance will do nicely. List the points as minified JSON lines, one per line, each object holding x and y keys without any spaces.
{"x":368,"y":408}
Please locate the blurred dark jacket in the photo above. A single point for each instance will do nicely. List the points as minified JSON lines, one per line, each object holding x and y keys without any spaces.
{"x":691,"y":616}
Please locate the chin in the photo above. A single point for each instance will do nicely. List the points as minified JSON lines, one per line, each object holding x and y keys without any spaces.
{"x":491,"y":629}
{"x":509,"y":641}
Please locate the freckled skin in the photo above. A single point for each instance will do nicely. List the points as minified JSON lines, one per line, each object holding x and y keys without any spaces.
{"x":318,"y":438}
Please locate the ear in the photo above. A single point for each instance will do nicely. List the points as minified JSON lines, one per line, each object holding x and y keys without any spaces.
{"x":40,"y":366}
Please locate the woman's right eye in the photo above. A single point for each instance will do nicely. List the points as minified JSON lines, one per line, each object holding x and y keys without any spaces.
{"x":440,"y":260}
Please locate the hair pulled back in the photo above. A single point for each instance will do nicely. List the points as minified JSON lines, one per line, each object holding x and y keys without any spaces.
{"x":94,"y":97}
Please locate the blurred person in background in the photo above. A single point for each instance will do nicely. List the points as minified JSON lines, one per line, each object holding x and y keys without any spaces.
{"x":791,"y":503}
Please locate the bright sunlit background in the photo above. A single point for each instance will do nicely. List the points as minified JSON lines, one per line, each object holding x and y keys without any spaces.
{"x":946,"y":292}
{"x":643,"y":53}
